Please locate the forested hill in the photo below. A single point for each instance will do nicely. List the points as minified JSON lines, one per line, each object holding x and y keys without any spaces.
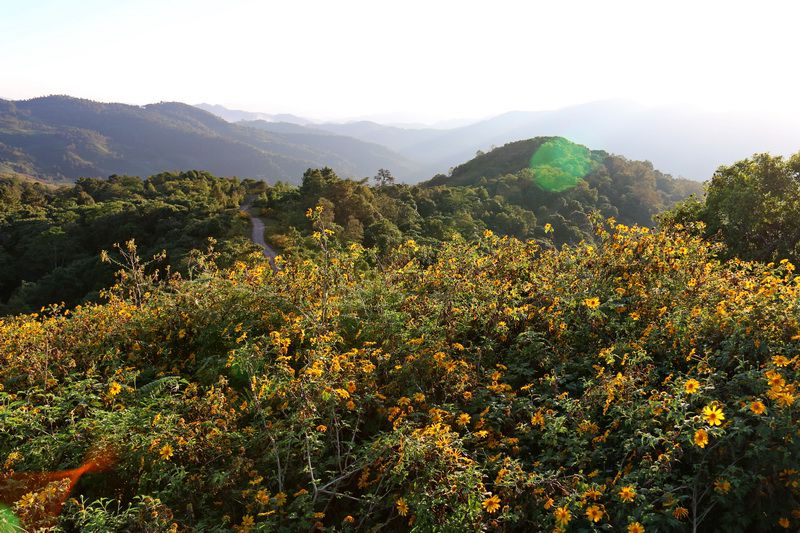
{"x":597,"y":166}
{"x":51,"y":238}
{"x":561,"y":183}
{"x":62,"y":138}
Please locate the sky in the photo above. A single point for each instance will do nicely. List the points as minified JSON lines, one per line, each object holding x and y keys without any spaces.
{"x":414,"y":61}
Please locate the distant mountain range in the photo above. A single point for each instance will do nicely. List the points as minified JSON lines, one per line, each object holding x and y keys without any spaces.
{"x":680,"y":140}
{"x":237,"y":115}
{"x":63,"y":138}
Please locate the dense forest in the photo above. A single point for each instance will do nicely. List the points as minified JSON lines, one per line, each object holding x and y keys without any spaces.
{"x":51,"y":237}
{"x":524,"y":189}
{"x":512,"y":347}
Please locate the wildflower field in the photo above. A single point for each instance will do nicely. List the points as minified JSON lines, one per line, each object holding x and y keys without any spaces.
{"x":637,"y":383}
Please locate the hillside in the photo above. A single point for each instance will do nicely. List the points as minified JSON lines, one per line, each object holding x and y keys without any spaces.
{"x":544,"y":188}
{"x":64,"y":138}
{"x":562,"y":183}
{"x":410,"y":363}
{"x":368,"y":154}
{"x":598,"y":166}
{"x":638,"y":384}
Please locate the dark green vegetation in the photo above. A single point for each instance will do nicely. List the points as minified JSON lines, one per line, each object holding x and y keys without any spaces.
{"x":444,"y":378}
{"x":752,"y":207}
{"x":499,"y":191}
{"x":495,"y":386}
{"x":61,"y":138}
{"x":51,"y":237}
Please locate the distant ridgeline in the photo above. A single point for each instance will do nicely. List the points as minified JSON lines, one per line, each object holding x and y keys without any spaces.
{"x":59,"y":138}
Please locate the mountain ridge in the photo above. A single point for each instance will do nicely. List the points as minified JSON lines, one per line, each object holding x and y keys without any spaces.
{"x":680,"y":140}
{"x":64,"y":138}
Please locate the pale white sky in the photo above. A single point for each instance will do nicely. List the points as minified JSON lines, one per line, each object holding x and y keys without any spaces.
{"x":416,"y":60}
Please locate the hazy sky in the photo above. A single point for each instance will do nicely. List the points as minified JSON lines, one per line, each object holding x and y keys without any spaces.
{"x":413,"y":60}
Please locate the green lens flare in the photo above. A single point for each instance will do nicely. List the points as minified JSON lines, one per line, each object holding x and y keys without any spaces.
{"x":559,"y":165}
{"x":9,"y":523}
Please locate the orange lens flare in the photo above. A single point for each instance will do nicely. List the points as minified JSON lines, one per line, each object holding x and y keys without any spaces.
{"x":38,"y":497}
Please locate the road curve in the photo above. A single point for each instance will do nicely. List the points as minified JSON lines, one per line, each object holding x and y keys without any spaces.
{"x":258,"y":234}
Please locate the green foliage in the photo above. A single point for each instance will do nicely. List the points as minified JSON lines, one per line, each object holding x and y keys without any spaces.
{"x":51,"y":238}
{"x":515,"y":190}
{"x":561,"y":183}
{"x":752,"y":206}
{"x":492,"y":385}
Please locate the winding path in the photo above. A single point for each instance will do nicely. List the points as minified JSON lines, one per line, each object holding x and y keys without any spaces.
{"x":258,"y":233}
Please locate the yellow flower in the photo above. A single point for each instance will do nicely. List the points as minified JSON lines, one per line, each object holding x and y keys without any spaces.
{"x":492,"y":504}
{"x":636,"y":527}
{"x":627,"y":493}
{"x":680,"y":513}
{"x":700,"y":438}
{"x":166,"y":452}
{"x":758,"y":407}
{"x":563,"y":516}
{"x":348,"y":519}
{"x":691,"y":386}
{"x":723,"y":486}
{"x":775,"y":379}
{"x":247,"y":521}
{"x":322,"y":428}
{"x":114,"y":388}
{"x":785,"y":399}
{"x":12,"y":458}
{"x":784,"y":523}
{"x":780,"y":360}
{"x":537,"y":419}
{"x":713,"y":415}
{"x":548,"y":228}
{"x":594,"y":514}
{"x":463,"y":419}
{"x":592,"y":303}
{"x":592,"y":494}
{"x":402,"y":507}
